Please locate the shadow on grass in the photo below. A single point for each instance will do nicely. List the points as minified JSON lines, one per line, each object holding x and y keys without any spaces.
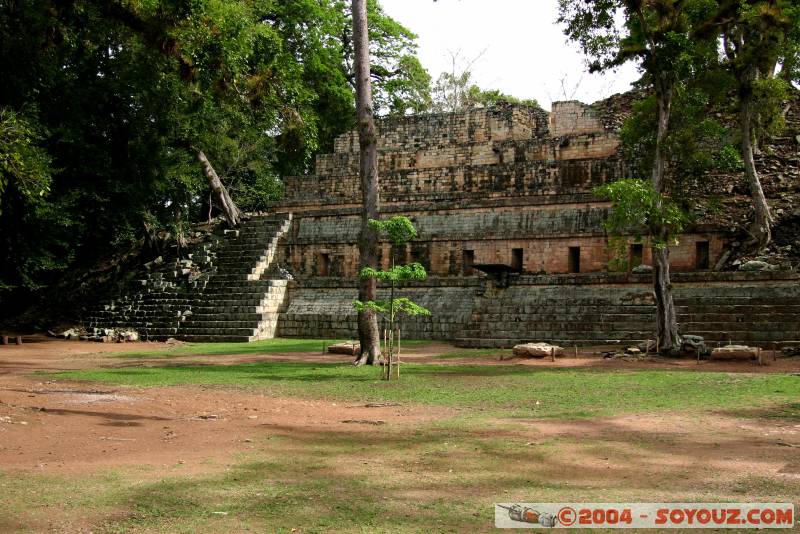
{"x":442,"y":479}
{"x":786,"y":412}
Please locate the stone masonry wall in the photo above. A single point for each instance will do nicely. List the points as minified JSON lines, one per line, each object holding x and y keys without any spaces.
{"x":502,"y":151}
{"x":600,"y":309}
{"x":484,"y":187}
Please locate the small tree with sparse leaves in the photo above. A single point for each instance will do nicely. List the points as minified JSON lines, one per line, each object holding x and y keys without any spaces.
{"x":399,"y":230}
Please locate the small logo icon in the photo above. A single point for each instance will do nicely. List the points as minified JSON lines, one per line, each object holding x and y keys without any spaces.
{"x":522,"y":514}
{"x":567,"y":516}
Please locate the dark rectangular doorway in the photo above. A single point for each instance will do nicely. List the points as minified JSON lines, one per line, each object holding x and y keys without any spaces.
{"x":637,"y":254}
{"x":516,"y":259}
{"x":324,"y":264}
{"x":574,"y":259}
{"x":701,"y":258}
{"x":467,"y":261}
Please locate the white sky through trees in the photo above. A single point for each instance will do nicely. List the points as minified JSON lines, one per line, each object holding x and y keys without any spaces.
{"x":525,"y":53}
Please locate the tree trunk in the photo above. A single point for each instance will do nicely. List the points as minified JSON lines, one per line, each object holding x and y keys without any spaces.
{"x":223,"y":199}
{"x":762,"y":220}
{"x":368,"y":333}
{"x":666,"y":318}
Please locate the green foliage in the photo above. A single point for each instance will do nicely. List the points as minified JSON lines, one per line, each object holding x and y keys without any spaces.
{"x":397,"y":274}
{"x":487,"y":98}
{"x":392,"y":308}
{"x":695,"y":144}
{"x":106,"y":104}
{"x":728,"y":159}
{"x":769,"y":95}
{"x":24,"y":164}
{"x":398,"y":229}
{"x":659,"y":34}
{"x":637,"y":208}
{"x":400,"y":83}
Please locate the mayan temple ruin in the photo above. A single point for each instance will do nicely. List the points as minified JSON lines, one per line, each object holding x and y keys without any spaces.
{"x":508,"y":230}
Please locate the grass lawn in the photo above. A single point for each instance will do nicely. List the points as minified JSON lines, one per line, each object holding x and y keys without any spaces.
{"x":510,"y":391}
{"x":267,"y":346}
{"x":441,"y":475}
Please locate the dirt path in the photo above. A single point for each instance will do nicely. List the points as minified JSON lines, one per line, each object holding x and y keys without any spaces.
{"x":55,"y":427}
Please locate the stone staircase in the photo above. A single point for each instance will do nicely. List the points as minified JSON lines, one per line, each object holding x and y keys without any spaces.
{"x":238,"y":296}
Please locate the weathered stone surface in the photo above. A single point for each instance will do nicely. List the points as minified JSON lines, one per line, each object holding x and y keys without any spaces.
{"x":694,"y":345}
{"x":350,"y":348}
{"x":537,"y":350}
{"x":755,"y":265}
{"x":734,"y":352}
{"x":506,"y":186}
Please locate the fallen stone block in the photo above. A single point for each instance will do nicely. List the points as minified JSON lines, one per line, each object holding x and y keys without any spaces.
{"x":350,"y":348}
{"x":537,"y":350}
{"x":735,"y":352}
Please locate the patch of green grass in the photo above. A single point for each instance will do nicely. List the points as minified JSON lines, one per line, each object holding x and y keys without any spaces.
{"x":435,"y":477}
{"x":475,"y":353}
{"x":510,"y":391}
{"x":266,"y":346}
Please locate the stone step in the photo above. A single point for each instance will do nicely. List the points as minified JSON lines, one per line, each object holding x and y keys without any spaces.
{"x":600,"y":334}
{"x":225,"y":324}
{"x":232,"y":331}
{"x":744,"y":309}
{"x":562,"y":307}
{"x":236,"y":309}
{"x":213,"y":338}
{"x":728,"y":317}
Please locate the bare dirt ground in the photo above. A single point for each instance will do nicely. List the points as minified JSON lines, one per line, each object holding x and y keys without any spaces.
{"x":53,"y":427}
{"x":72,"y":429}
{"x":60,"y":426}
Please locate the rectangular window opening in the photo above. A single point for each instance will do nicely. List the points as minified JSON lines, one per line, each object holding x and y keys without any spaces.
{"x":324,"y":264}
{"x":701,"y":255}
{"x":637,"y":255}
{"x":468,"y":260}
{"x":574,"y":259}
{"x":516,"y":259}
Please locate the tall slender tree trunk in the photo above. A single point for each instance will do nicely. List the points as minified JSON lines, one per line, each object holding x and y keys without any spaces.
{"x":224,"y":201}
{"x":762,"y":219}
{"x":368,"y":334}
{"x":666,"y":318}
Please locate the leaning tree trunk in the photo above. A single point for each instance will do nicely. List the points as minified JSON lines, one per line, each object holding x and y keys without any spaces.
{"x":762,"y":220}
{"x":223,"y":199}
{"x":666,"y":318}
{"x":368,"y":334}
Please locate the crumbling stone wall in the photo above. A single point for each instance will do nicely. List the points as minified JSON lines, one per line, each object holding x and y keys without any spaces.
{"x":509,"y":186}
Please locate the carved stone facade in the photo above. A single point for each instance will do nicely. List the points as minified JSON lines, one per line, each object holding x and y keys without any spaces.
{"x":505,"y":185}
{"x":505,"y":189}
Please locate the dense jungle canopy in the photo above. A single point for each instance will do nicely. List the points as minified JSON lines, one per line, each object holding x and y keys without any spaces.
{"x":104,"y":105}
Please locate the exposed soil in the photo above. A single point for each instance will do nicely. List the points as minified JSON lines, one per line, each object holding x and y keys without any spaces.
{"x":51,"y":426}
{"x":60,"y":426}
